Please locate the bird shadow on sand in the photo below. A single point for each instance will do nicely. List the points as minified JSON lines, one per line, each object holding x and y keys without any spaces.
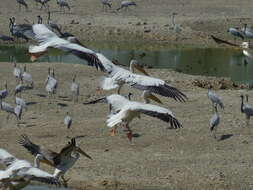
{"x":41,"y":95}
{"x":62,"y":105}
{"x":136,"y":135}
{"x":31,"y":103}
{"x":30,"y":125}
{"x":225,"y":137}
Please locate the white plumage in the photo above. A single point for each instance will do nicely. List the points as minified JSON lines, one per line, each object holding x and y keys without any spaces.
{"x":68,"y":120}
{"x":74,"y":87}
{"x":16,"y":71}
{"x":19,"y":173}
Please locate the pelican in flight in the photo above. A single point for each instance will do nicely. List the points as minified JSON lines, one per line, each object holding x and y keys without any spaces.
{"x":117,"y":76}
{"x":19,"y":173}
{"x":61,"y":161}
{"x":47,"y":39}
{"x":125,"y":110}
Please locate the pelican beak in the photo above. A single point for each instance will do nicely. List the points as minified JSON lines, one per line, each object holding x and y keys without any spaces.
{"x":83,"y":153}
{"x":47,"y":162}
{"x":139,"y":68}
{"x":33,"y":58}
{"x":153,"y":97}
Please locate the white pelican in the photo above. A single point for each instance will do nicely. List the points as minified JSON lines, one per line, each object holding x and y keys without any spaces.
{"x":62,"y":161}
{"x":124,"y":110}
{"x":117,"y":75}
{"x":47,"y":39}
{"x":19,"y":173}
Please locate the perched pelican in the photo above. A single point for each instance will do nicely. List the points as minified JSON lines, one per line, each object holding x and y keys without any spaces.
{"x":125,"y":4}
{"x":246,"y":109}
{"x":74,"y":89}
{"x":214,"y":122}
{"x":124,"y":110}
{"x":19,"y":173}
{"x":4,"y":92}
{"x":27,"y":78}
{"x":214,"y":99}
{"x":48,"y":39}
{"x":68,"y":120}
{"x":62,"y":161}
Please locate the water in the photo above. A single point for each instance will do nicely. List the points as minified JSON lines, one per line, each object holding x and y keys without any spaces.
{"x":219,"y":62}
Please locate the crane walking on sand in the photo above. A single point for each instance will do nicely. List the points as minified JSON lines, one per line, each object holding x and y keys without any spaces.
{"x":74,"y":89}
{"x":22,"y":3}
{"x":246,"y":109}
{"x":4,"y":92}
{"x":216,"y":100}
{"x":68,"y":120}
{"x":125,"y":4}
{"x":214,"y":122}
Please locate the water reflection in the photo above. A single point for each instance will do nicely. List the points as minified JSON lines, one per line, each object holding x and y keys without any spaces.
{"x":209,"y":61}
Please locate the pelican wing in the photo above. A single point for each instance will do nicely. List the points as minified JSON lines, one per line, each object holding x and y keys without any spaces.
{"x":37,"y":174}
{"x":47,"y":38}
{"x":156,"y":111}
{"x":36,"y":149}
{"x":6,"y":158}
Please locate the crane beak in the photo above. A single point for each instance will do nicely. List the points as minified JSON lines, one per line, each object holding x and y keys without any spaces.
{"x":47,"y":162}
{"x":153,"y":97}
{"x":83,"y":153}
{"x":139,"y":68}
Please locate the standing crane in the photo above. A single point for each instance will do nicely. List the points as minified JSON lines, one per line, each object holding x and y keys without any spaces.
{"x":74,"y":87}
{"x":216,"y":100}
{"x":246,"y":109}
{"x":4,"y":92}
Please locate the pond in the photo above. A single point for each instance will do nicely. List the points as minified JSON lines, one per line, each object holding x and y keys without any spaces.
{"x":221,"y":62}
{"x":34,"y":187}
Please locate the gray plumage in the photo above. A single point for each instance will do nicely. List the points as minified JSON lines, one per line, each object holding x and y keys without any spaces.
{"x":21,"y":102}
{"x":247,"y":32}
{"x":6,"y":38}
{"x":27,"y":78}
{"x":235,"y":32}
{"x":16,"y":71}
{"x":246,"y":109}
{"x":68,"y":120}
{"x":74,"y":89}
{"x":17,"y":111}
{"x":126,"y":4}
{"x":4,"y":92}
{"x":106,"y":3}
{"x":215,"y":99}
{"x":19,"y":88}
{"x":51,"y":83}
{"x":214,"y":122}
{"x":23,"y":3}
{"x":63,"y":4}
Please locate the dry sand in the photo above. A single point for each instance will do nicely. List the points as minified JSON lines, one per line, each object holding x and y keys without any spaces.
{"x":148,"y":22}
{"x":159,"y":158}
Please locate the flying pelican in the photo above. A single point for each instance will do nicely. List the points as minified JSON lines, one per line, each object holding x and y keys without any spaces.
{"x":246,"y":109}
{"x":124,"y":110}
{"x":214,"y":99}
{"x":126,"y":4}
{"x":27,"y":78}
{"x":19,"y":173}
{"x":117,"y":76}
{"x":4,"y":92}
{"x":235,"y":32}
{"x":74,"y":89}
{"x":22,"y":2}
{"x":68,"y":120}
{"x":62,"y":161}
{"x":48,"y":39}
{"x":63,"y":4}
{"x":214,"y":122}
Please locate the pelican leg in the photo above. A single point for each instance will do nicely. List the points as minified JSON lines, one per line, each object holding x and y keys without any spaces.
{"x":129,"y":133}
{"x":113,"y":132}
{"x":120,"y":86}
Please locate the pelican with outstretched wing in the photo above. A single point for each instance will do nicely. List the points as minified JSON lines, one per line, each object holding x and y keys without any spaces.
{"x":125,"y":110}
{"x":19,"y":173}
{"x":47,"y":39}
{"x":61,"y":161}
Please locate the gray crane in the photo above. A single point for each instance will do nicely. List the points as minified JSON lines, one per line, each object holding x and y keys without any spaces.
{"x":51,"y":82}
{"x":235,"y":32}
{"x":44,"y":3}
{"x":21,"y":102}
{"x":27,"y":78}
{"x":106,"y":3}
{"x":19,"y":88}
{"x":214,"y":122}
{"x":17,"y":111}
{"x":16,"y":72}
{"x":246,"y":109}
{"x":74,"y":87}
{"x":175,"y":27}
{"x":68,"y":120}
{"x":126,"y":4}
{"x":40,"y":20}
{"x":246,"y":31}
{"x":22,"y":3}
{"x":4,"y":92}
{"x":216,"y":100}
{"x":63,"y":4}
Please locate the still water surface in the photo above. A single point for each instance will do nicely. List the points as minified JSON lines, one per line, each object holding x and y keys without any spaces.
{"x":219,"y":62}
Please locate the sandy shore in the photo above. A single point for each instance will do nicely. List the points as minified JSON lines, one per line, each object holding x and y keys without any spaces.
{"x":159,"y":158}
{"x":148,"y":22}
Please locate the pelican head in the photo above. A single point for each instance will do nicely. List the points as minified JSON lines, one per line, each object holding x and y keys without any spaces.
{"x":148,"y":95}
{"x":77,"y":149}
{"x":135,"y":64}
